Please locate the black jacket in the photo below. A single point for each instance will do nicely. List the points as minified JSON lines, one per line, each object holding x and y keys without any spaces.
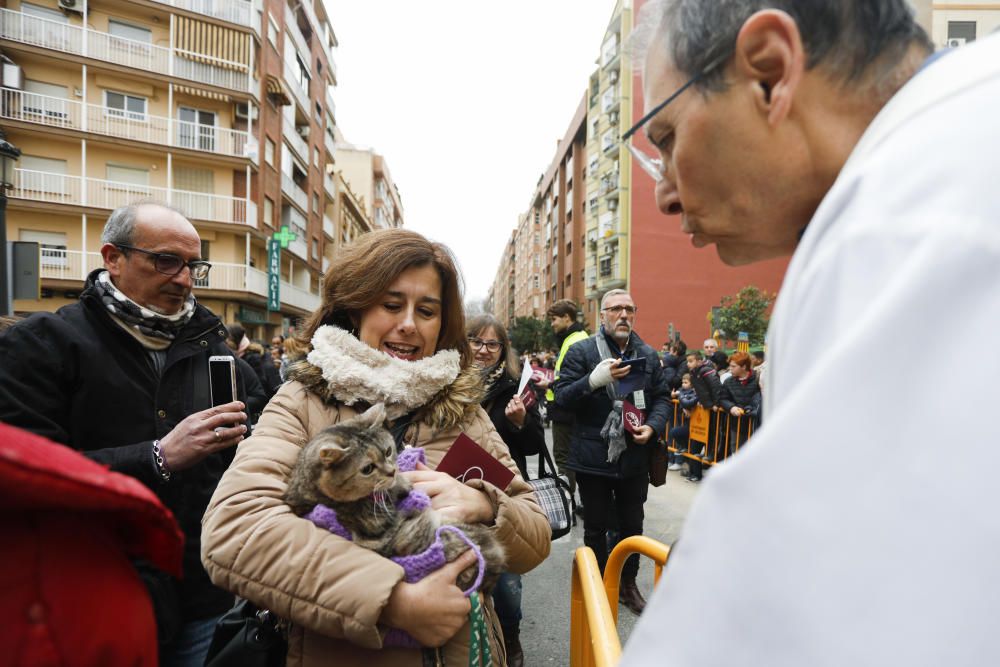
{"x":739,"y":394}
{"x":75,"y":377}
{"x":674,"y":368}
{"x":522,"y":442}
{"x":267,"y":372}
{"x":705,"y":380}
{"x":588,"y":452}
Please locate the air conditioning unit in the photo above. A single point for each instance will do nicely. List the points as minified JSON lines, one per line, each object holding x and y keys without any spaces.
{"x":303,"y":131}
{"x":613,"y":117}
{"x":613,"y":76}
{"x":953,"y":42}
{"x":608,"y":249}
{"x":13,"y":75}
{"x":71,"y":5}
{"x":612,"y":204}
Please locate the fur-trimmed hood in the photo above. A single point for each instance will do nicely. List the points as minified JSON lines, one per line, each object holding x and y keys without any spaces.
{"x":342,"y":369}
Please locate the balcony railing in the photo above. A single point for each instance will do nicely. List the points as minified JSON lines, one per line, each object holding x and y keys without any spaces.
{"x":294,"y":192}
{"x":70,"y":114}
{"x":57,"y":36}
{"x":76,"y":190}
{"x":300,"y":94}
{"x":239,"y":12}
{"x":298,"y":297}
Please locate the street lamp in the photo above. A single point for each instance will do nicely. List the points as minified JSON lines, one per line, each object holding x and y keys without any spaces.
{"x":8,"y":158}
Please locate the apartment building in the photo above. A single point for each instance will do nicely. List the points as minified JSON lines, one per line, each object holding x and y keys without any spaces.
{"x":370,"y":179}
{"x":223,"y":109}
{"x":501,"y":300}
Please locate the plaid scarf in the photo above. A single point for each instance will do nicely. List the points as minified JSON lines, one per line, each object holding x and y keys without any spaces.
{"x":141,"y":319}
{"x":490,"y":376}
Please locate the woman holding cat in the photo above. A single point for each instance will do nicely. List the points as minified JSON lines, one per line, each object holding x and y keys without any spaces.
{"x":390,"y":330}
{"x":520,"y":426}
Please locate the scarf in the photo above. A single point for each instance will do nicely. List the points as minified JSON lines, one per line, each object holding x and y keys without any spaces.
{"x":357,"y":373}
{"x":142,"y":320}
{"x":491,"y":376}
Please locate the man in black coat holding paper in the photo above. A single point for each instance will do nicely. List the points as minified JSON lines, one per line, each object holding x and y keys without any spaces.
{"x":611,"y":463}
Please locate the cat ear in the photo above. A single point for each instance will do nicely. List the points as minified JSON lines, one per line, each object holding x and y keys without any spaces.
{"x":375,"y":415}
{"x":331,"y":454}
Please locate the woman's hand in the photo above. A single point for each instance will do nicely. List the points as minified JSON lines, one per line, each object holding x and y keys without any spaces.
{"x":736,"y":411}
{"x":450,"y":497}
{"x":433,"y":609}
{"x":516,"y":412}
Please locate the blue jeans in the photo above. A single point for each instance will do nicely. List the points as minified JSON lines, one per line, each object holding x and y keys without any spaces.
{"x":189,"y":647}
{"x":507,"y":599}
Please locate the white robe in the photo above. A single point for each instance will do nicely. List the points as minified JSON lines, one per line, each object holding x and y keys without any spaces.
{"x":861,"y":526}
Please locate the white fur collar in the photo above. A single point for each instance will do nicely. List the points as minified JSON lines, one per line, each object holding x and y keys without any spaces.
{"x":356,"y":372}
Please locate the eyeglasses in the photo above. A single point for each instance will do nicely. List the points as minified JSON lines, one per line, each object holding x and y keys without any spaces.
{"x":615,"y":310}
{"x":491,"y":345}
{"x":654,"y":165}
{"x":171,"y":265}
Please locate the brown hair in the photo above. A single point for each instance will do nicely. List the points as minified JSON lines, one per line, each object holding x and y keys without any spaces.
{"x":741,"y":359}
{"x":563,"y":307}
{"x":363,"y":271}
{"x":482,"y":322}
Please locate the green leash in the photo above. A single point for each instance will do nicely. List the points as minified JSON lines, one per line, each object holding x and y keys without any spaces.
{"x":479,"y":643}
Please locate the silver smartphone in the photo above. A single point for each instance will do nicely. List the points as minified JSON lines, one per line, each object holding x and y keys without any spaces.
{"x":222,"y":375}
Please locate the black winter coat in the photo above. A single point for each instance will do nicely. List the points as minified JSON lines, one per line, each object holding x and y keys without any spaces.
{"x":705,"y":380}
{"x":75,"y":377}
{"x":737,"y":394}
{"x":588,"y":451}
{"x":522,"y":442}
{"x":674,"y":368}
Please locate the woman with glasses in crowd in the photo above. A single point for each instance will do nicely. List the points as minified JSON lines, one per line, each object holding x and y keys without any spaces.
{"x":520,"y":426}
{"x":390,"y":330}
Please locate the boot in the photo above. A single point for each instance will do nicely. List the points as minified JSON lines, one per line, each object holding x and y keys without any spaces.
{"x":630,"y":597}
{"x":512,"y":640}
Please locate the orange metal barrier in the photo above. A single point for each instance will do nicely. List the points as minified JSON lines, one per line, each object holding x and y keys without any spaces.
{"x":726,"y":434}
{"x":593,"y":630}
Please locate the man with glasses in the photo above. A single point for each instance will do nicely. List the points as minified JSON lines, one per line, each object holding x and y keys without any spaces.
{"x":122,"y":376}
{"x":827,"y":129}
{"x":611,"y":463}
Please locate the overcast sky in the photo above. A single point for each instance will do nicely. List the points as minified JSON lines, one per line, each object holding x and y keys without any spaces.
{"x":467,"y":101}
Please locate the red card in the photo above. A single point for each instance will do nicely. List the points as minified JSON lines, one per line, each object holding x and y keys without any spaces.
{"x":467,"y":460}
{"x":632,"y":417}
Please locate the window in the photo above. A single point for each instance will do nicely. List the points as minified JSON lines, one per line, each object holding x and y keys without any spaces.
{"x":52,"y":246}
{"x":196,"y":129}
{"x":268,"y":211}
{"x":605,"y":266}
{"x":129,"y":31}
{"x":122,"y":105}
{"x":43,"y":175}
{"x":132,"y":180}
{"x":316,"y":204}
{"x":315,"y":248}
{"x":45,"y":99}
{"x":272,"y":31}
{"x":269,"y":151}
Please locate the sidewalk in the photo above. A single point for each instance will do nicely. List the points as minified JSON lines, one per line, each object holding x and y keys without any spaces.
{"x":545,"y":601}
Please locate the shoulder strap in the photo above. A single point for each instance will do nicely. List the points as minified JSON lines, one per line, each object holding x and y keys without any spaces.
{"x":605,"y":352}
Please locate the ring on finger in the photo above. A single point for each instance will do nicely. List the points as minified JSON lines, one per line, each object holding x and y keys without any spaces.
{"x":218,"y":435}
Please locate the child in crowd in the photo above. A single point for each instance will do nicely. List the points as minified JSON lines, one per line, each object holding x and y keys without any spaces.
{"x":687,"y":398}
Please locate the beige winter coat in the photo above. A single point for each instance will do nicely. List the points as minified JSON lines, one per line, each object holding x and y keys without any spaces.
{"x":330,"y":590}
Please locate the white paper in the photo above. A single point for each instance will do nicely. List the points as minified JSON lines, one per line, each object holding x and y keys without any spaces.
{"x":525,"y":376}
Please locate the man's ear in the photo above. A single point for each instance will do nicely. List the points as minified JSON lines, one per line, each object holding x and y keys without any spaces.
{"x":113,"y":258}
{"x":770,"y":58}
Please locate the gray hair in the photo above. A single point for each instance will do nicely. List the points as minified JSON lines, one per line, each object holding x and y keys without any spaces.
{"x":120,"y":227}
{"x":847,"y":37}
{"x":611,"y":293}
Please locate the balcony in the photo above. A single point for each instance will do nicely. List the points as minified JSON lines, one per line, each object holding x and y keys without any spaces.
{"x":73,"y":115}
{"x":294,"y":192}
{"x":295,"y":140}
{"x":330,"y":188}
{"x":239,"y":12}
{"x":292,"y":30}
{"x":88,"y":43}
{"x":331,"y":106}
{"x":299,"y":298}
{"x":328,"y":226}
{"x":78,"y":191}
{"x":300,"y":94}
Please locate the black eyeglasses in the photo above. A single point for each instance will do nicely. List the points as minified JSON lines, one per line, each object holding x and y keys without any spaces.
{"x":171,"y":265}
{"x":629,"y":310}
{"x":654,"y":165}
{"x":491,"y":345}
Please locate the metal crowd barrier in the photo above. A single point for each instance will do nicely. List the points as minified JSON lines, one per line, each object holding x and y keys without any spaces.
{"x":726,"y":434}
{"x":594,"y":603}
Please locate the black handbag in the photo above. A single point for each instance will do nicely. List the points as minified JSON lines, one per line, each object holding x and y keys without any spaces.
{"x":554,"y":496}
{"x":246,"y":636}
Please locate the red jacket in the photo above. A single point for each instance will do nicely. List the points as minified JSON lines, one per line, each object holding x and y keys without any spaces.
{"x":68,"y":593}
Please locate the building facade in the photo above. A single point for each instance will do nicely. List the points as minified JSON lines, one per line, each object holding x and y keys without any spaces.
{"x":368,"y":174}
{"x":221,"y":109}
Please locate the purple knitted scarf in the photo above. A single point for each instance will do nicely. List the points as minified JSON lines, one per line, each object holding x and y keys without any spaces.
{"x":415,"y":566}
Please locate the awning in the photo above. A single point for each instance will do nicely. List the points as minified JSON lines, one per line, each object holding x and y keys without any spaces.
{"x":203,"y":93}
{"x":213,"y":44}
{"x":276,"y":89}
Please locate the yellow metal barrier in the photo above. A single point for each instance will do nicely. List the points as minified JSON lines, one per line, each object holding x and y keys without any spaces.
{"x":727,"y":435}
{"x":594,"y":612}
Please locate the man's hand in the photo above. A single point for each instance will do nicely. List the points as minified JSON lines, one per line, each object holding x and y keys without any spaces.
{"x":643,"y":434}
{"x":202,"y":433}
{"x":687,"y":412}
{"x":450,"y":497}
{"x":433,"y":609}
{"x":516,"y":412}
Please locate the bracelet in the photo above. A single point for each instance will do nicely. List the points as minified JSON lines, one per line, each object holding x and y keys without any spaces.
{"x":161,"y":464}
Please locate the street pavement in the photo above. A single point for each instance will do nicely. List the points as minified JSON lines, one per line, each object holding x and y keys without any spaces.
{"x":546,"y":600}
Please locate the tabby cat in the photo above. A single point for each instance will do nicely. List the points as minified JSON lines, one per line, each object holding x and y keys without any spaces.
{"x":351,"y":468}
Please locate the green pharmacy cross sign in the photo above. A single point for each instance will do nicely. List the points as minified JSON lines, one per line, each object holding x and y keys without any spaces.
{"x":274,"y":246}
